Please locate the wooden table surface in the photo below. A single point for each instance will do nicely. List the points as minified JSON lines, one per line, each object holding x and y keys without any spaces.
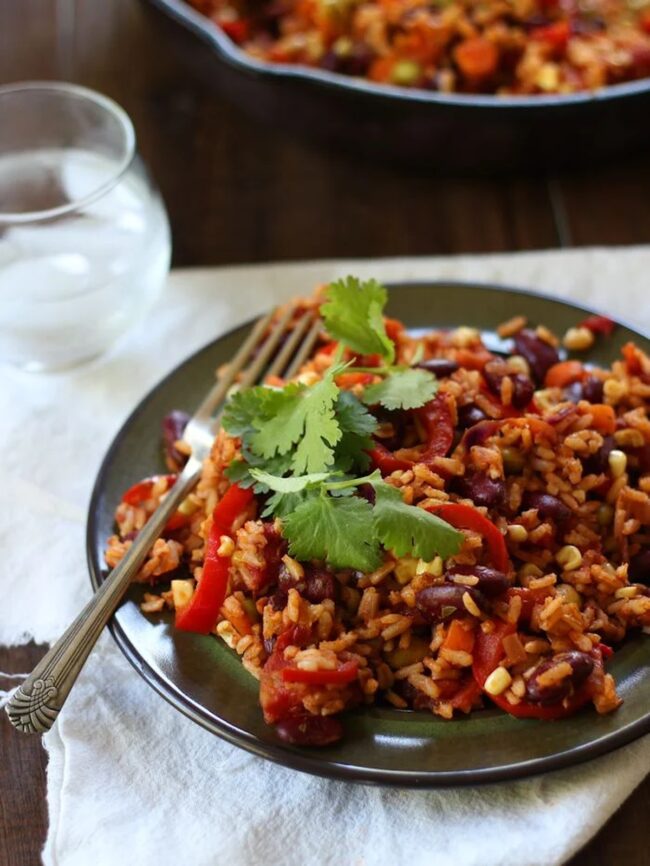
{"x":239,"y":193}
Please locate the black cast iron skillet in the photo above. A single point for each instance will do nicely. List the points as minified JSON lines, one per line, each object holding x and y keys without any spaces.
{"x":441,"y":132}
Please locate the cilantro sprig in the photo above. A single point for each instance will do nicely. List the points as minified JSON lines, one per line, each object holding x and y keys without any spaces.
{"x":306,"y":448}
{"x":349,"y":532}
{"x":353,"y":315}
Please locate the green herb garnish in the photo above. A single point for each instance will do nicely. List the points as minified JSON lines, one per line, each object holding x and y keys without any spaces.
{"x":307,"y":448}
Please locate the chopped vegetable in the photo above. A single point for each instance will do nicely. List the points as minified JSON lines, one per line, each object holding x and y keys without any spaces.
{"x":200,"y":615}
{"x":599,"y":325}
{"x":466,"y":517}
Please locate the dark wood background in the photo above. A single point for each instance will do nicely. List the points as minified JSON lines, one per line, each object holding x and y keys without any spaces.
{"x":238,"y":193}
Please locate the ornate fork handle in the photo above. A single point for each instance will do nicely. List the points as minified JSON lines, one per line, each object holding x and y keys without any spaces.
{"x":36,"y":704}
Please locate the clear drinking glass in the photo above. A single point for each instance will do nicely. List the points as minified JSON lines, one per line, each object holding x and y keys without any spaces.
{"x":84,"y":236}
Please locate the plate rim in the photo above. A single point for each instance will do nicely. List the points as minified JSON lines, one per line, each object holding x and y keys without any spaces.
{"x":283,"y":754}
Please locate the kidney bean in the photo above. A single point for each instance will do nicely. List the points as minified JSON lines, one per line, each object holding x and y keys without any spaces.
{"x":523,"y":390}
{"x":356,"y":62}
{"x":469,"y":415}
{"x":522,"y":386}
{"x":548,"y":506}
{"x":320,"y":584}
{"x":440,"y":367}
{"x":590,"y":389}
{"x":310,"y":730}
{"x":173,"y":427}
{"x":639,"y":568}
{"x":540,"y":355}
{"x":435,"y":603}
{"x":599,"y":462}
{"x":287,"y":581}
{"x":581,"y":666}
{"x":482,"y":489}
{"x":491,"y":582}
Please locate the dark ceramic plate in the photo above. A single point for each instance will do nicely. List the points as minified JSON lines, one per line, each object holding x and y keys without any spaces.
{"x":438,"y":131}
{"x":203,"y":678}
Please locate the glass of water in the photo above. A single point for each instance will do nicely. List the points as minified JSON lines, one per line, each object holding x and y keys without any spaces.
{"x":84,"y":237}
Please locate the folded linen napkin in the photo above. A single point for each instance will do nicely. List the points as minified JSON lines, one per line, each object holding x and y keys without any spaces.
{"x":130,"y":779}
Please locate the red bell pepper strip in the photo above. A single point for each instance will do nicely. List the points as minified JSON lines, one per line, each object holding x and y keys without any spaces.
{"x":529,"y":598}
{"x":598,"y":325}
{"x":141,"y":491}
{"x":466,"y":517}
{"x":239,"y":30}
{"x":488,"y":653}
{"x":346,"y":673}
{"x":465,"y":698}
{"x":202,"y":611}
{"x":556,"y":34}
{"x":437,"y":422}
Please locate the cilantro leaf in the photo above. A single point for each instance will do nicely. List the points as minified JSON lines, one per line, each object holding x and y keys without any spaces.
{"x":353,"y":314}
{"x":351,"y":453}
{"x":293,"y":484}
{"x":357,"y":424}
{"x":409,"y":530}
{"x":246,"y":409}
{"x":336,"y":530}
{"x":405,"y":389}
{"x":302,"y":417}
{"x":283,"y":504}
{"x":353,"y":416}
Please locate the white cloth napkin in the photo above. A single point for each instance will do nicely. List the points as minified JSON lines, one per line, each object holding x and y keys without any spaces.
{"x":130,"y":779}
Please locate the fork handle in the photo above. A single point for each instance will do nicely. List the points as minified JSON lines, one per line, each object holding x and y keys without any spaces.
{"x":35,"y":705}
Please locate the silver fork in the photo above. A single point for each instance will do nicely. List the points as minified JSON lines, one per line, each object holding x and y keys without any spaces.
{"x":35,"y":705}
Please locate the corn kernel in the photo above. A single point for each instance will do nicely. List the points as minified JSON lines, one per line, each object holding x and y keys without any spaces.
{"x":617,"y":462}
{"x":614,"y":391}
{"x":548,"y":77}
{"x":626,"y":592}
{"x":517,"y":533}
{"x":605,"y":514}
{"x":188,"y":506}
{"x":578,"y":339}
{"x":406,"y":569}
{"x":182,"y":592}
{"x":226,"y":546}
{"x":434,"y":567}
{"x":569,"y":557}
{"x":498,"y":681}
{"x":530,"y":570}
{"x":569,"y":594}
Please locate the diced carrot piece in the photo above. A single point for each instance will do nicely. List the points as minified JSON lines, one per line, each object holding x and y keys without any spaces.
{"x":632,"y":361}
{"x":564,"y":373}
{"x":473,"y":359}
{"x":349,"y":380}
{"x":477,"y":57}
{"x":460,"y":636}
{"x":604,"y":418}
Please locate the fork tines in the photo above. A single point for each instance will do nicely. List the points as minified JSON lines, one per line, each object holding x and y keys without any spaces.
{"x":278,"y":345}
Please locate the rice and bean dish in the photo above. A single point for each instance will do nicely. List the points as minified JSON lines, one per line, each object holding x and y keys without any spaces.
{"x":415,"y":522}
{"x":466,"y":46}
